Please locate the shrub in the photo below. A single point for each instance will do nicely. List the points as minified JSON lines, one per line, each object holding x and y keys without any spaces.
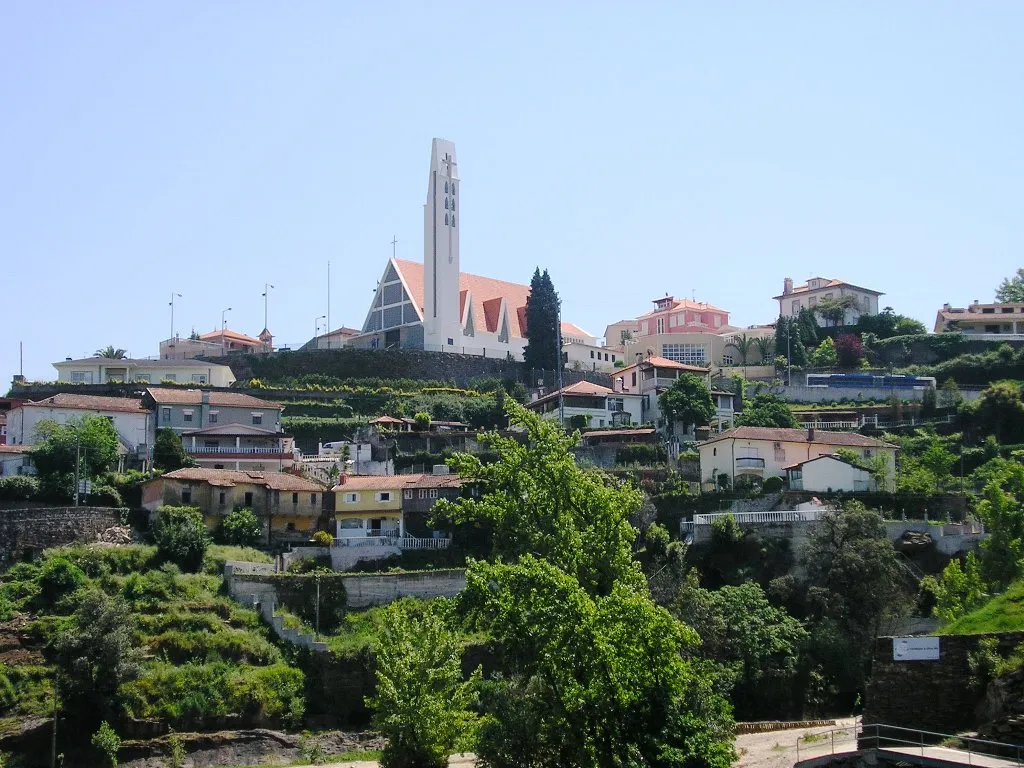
{"x":422,"y":421}
{"x":104,"y":495}
{"x":59,"y":577}
{"x":772,"y":484}
{"x":241,"y":527}
{"x":641,"y":454}
{"x":107,"y":742}
{"x":322,"y":539}
{"x":18,"y":488}
{"x":181,"y":537}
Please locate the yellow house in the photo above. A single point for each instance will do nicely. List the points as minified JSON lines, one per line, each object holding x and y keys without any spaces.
{"x":369,"y":505}
{"x":288,"y":505}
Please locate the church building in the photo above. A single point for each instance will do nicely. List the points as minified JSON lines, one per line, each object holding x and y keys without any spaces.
{"x":436,"y":306}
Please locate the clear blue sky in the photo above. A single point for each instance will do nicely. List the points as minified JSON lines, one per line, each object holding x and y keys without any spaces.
{"x":633,"y":149}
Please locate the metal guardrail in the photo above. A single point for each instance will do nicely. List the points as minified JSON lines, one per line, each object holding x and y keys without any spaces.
{"x":402,"y":542}
{"x":907,"y":741}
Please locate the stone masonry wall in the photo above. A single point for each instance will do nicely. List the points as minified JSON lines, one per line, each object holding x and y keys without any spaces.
{"x":26,"y":532}
{"x":378,"y":589}
{"x":929,"y":695}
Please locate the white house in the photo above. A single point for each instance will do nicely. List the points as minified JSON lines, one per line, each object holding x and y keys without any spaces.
{"x":15,"y":460}
{"x":767,"y":451}
{"x":133,"y":422}
{"x":824,"y":474}
{"x":102,"y":370}
{"x":600,"y":406}
{"x":653,"y":375}
{"x":862,"y":301}
{"x":581,"y":356}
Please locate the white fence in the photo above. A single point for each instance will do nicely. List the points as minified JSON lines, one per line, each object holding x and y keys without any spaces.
{"x":757,"y":518}
{"x":402,"y":542}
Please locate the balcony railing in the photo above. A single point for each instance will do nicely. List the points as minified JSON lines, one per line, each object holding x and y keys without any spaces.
{"x":402,"y":542}
{"x":748,"y":462}
{"x":246,"y":449}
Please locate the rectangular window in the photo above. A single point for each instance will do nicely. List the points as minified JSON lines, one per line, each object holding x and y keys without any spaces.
{"x":613,"y":358}
{"x":222,"y":497}
{"x":248,"y":499}
{"x":143,"y":378}
{"x":423,"y":493}
{"x":295,"y":498}
{"x":351,"y":498}
{"x":81,"y":377}
{"x":796,"y":308}
{"x":312,"y":499}
{"x":812,"y":301}
{"x":688,"y":354}
{"x":186,"y":495}
{"x":186,"y":416}
{"x":384,"y":496}
{"x":661,"y":325}
{"x":198,"y":378}
{"x":170,"y":377}
{"x":211,"y":444}
{"x":591,"y":354}
{"x":165,"y":415}
{"x":213,"y":416}
{"x":1007,"y":310}
{"x":634,"y":378}
{"x":433,"y":493}
{"x":407,"y":494}
{"x":988,"y":310}
{"x":257,"y":419}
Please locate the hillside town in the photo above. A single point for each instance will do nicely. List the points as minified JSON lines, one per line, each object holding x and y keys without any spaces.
{"x":652,"y":455}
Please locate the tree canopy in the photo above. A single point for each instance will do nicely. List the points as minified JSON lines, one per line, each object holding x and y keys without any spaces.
{"x":92,"y":439}
{"x":766,"y":410}
{"x":687,"y":401}
{"x":168,"y":452}
{"x":542,"y":332}
{"x":111,"y":352}
{"x":1011,"y":290}
{"x":824,"y":355}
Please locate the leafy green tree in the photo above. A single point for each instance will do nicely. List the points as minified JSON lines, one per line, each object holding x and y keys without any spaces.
{"x":111,"y":353}
{"x":421,"y":703}
{"x":789,"y":343}
{"x":960,"y":590}
{"x":241,"y":527}
{"x":168,"y":451}
{"x":807,"y":327}
{"x":854,"y":586}
{"x":1001,"y":411}
{"x":757,"y":643}
{"x":1003,"y":514}
{"x":181,"y":536}
{"x":421,"y":421}
{"x":849,"y":350}
{"x":92,"y":439}
{"x":767,"y":410}
{"x":595,"y":674}
{"x":833,"y":310}
{"x":107,"y":742}
{"x":94,"y":656}
{"x":1011,"y":290}
{"x":593,"y":679}
{"x":825,"y":355}
{"x":542,"y":333}
{"x":688,"y":401}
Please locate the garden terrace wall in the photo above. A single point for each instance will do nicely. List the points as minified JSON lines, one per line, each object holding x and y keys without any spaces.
{"x":25,"y":533}
{"x":929,"y":695}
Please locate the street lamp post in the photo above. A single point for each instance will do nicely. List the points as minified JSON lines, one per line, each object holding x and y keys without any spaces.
{"x":316,"y":330}
{"x":173,"y":295}
{"x":266,"y":294}
{"x":223,"y":326}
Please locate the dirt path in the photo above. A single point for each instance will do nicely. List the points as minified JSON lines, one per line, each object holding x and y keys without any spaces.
{"x":778,"y":748}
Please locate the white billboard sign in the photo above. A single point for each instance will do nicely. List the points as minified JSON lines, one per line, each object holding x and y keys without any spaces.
{"x":915,"y":649}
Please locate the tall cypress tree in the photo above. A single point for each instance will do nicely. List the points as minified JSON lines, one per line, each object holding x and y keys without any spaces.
{"x":542,"y":323}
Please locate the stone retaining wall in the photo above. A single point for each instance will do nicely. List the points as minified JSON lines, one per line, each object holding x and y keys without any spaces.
{"x":768,"y":726}
{"x":935,"y":696}
{"x":24,"y":533}
{"x":380,"y":589}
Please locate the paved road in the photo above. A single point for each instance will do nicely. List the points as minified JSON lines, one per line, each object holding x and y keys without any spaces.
{"x":777,"y":749}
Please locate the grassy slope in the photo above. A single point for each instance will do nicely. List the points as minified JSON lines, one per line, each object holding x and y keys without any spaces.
{"x":1003,"y":613}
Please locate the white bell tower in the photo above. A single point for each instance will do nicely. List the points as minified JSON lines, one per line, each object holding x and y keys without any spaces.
{"x":442,"y":325}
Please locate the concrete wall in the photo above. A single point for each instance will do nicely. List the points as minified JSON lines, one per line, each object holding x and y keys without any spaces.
{"x":26,"y":532}
{"x":380,"y":589}
{"x":930,"y":695}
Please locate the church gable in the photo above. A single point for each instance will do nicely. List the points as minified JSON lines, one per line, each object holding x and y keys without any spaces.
{"x":393,"y":303}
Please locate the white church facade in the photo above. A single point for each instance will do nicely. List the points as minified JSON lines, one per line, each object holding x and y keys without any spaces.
{"x":434,"y":305}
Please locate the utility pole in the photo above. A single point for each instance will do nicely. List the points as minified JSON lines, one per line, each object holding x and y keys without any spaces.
{"x":328,"y":315}
{"x":558,"y":363}
{"x":789,"y":354}
{"x":266,"y":299}
{"x":172,"y":312}
{"x":53,"y":738}
{"x":223,"y":326}
{"x":78,"y":462}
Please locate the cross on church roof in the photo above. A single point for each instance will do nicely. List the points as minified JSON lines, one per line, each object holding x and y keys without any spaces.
{"x":448,"y":163}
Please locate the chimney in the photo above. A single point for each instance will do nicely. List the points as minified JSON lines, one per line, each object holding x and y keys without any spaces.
{"x":617,"y":384}
{"x":205,"y":399}
{"x":342,"y":478}
{"x":787,"y":286}
{"x":68,"y":359}
{"x":810,"y":433}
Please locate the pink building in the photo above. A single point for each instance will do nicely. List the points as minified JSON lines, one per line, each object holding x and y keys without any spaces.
{"x":671,"y":315}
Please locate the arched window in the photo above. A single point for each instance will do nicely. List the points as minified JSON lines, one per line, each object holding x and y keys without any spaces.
{"x":446,"y":203}
{"x":453,"y":219}
{"x":446,"y":187}
{"x":446,"y":219}
{"x":453,"y":203}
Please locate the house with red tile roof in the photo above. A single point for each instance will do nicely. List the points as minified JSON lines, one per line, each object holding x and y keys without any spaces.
{"x":588,"y":405}
{"x":216,"y":343}
{"x":763,"y":452}
{"x":433,"y":304}
{"x":132,"y":420}
{"x":861,"y":301}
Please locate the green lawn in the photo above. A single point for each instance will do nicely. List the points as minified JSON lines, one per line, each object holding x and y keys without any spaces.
{"x":1003,"y":613}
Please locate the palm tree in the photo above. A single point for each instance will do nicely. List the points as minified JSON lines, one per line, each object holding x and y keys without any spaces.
{"x":765,"y":347}
{"x":742,"y":344}
{"x":111,"y":353}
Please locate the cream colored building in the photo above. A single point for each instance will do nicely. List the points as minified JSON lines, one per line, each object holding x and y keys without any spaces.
{"x":863,"y":301}
{"x":767,"y":451}
{"x":982,"y":321}
{"x":102,"y":370}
